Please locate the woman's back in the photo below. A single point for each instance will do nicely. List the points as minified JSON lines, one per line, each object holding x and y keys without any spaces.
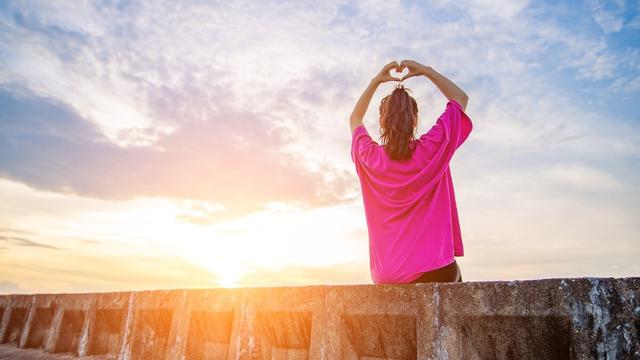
{"x":410,"y":205}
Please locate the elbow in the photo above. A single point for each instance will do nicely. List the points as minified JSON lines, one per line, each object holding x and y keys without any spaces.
{"x":463,"y":99}
{"x":355,"y":119}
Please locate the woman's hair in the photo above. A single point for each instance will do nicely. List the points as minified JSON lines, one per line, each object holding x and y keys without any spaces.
{"x":398,"y":112}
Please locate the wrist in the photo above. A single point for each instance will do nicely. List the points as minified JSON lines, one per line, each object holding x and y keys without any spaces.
{"x":375,"y":81}
{"x":425,"y":70}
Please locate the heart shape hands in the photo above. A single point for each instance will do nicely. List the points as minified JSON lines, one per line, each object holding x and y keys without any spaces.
{"x":401,"y":71}
{"x":414,"y":69}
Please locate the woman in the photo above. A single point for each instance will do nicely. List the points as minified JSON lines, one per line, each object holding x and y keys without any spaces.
{"x":410,"y":206}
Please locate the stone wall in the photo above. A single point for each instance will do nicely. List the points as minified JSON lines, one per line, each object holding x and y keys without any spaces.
{"x":577,"y":318}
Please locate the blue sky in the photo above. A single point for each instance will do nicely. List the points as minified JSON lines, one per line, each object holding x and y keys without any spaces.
{"x":207,"y":144}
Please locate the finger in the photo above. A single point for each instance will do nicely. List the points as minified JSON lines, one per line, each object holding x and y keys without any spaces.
{"x":409,"y":64}
{"x":390,"y":65}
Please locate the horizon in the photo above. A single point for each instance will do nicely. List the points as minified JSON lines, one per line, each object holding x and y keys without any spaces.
{"x":154,"y":146}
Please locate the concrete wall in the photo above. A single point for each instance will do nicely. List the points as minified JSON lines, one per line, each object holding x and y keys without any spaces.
{"x":579,"y":318}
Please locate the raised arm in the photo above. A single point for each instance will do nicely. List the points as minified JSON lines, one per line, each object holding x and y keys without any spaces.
{"x":363,"y":102}
{"x":448,"y":88}
{"x":362,"y":105}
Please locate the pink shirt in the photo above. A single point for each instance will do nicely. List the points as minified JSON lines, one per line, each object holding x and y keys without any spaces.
{"x":410,"y":206}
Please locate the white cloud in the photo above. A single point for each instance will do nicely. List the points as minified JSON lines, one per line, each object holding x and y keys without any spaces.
{"x":536,"y":221}
{"x":580,"y":177}
{"x":89,"y":86}
{"x":626,"y":85}
{"x":488,"y":8}
{"x":141,"y":72}
{"x":608,"y":14}
{"x":302,"y":65}
{"x":10,"y":287}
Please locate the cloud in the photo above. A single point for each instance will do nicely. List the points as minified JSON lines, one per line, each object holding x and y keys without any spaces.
{"x":21,"y":241}
{"x":10,"y":287}
{"x":49,"y":50}
{"x":115,"y":101}
{"x":488,"y":8}
{"x":305,"y":75}
{"x":608,"y":14}
{"x":18,"y":237}
{"x":626,"y":85}
{"x":9,"y":230}
{"x":138,"y":74}
{"x":21,"y":237}
{"x":48,"y":146}
{"x":85,"y":272}
{"x":89,"y":241}
{"x":531,"y":220}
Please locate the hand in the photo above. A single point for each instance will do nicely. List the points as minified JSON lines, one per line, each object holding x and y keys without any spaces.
{"x":415,"y":68}
{"x":384,"y":76}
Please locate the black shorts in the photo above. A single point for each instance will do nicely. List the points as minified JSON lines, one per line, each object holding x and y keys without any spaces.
{"x":448,"y":273}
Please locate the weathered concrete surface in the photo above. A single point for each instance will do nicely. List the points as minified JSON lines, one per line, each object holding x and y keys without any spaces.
{"x":578,"y":318}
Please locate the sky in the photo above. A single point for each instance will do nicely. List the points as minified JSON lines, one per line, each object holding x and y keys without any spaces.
{"x":155,"y":145}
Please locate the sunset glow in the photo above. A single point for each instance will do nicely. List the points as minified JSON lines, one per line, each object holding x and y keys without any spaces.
{"x":155,"y":145}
